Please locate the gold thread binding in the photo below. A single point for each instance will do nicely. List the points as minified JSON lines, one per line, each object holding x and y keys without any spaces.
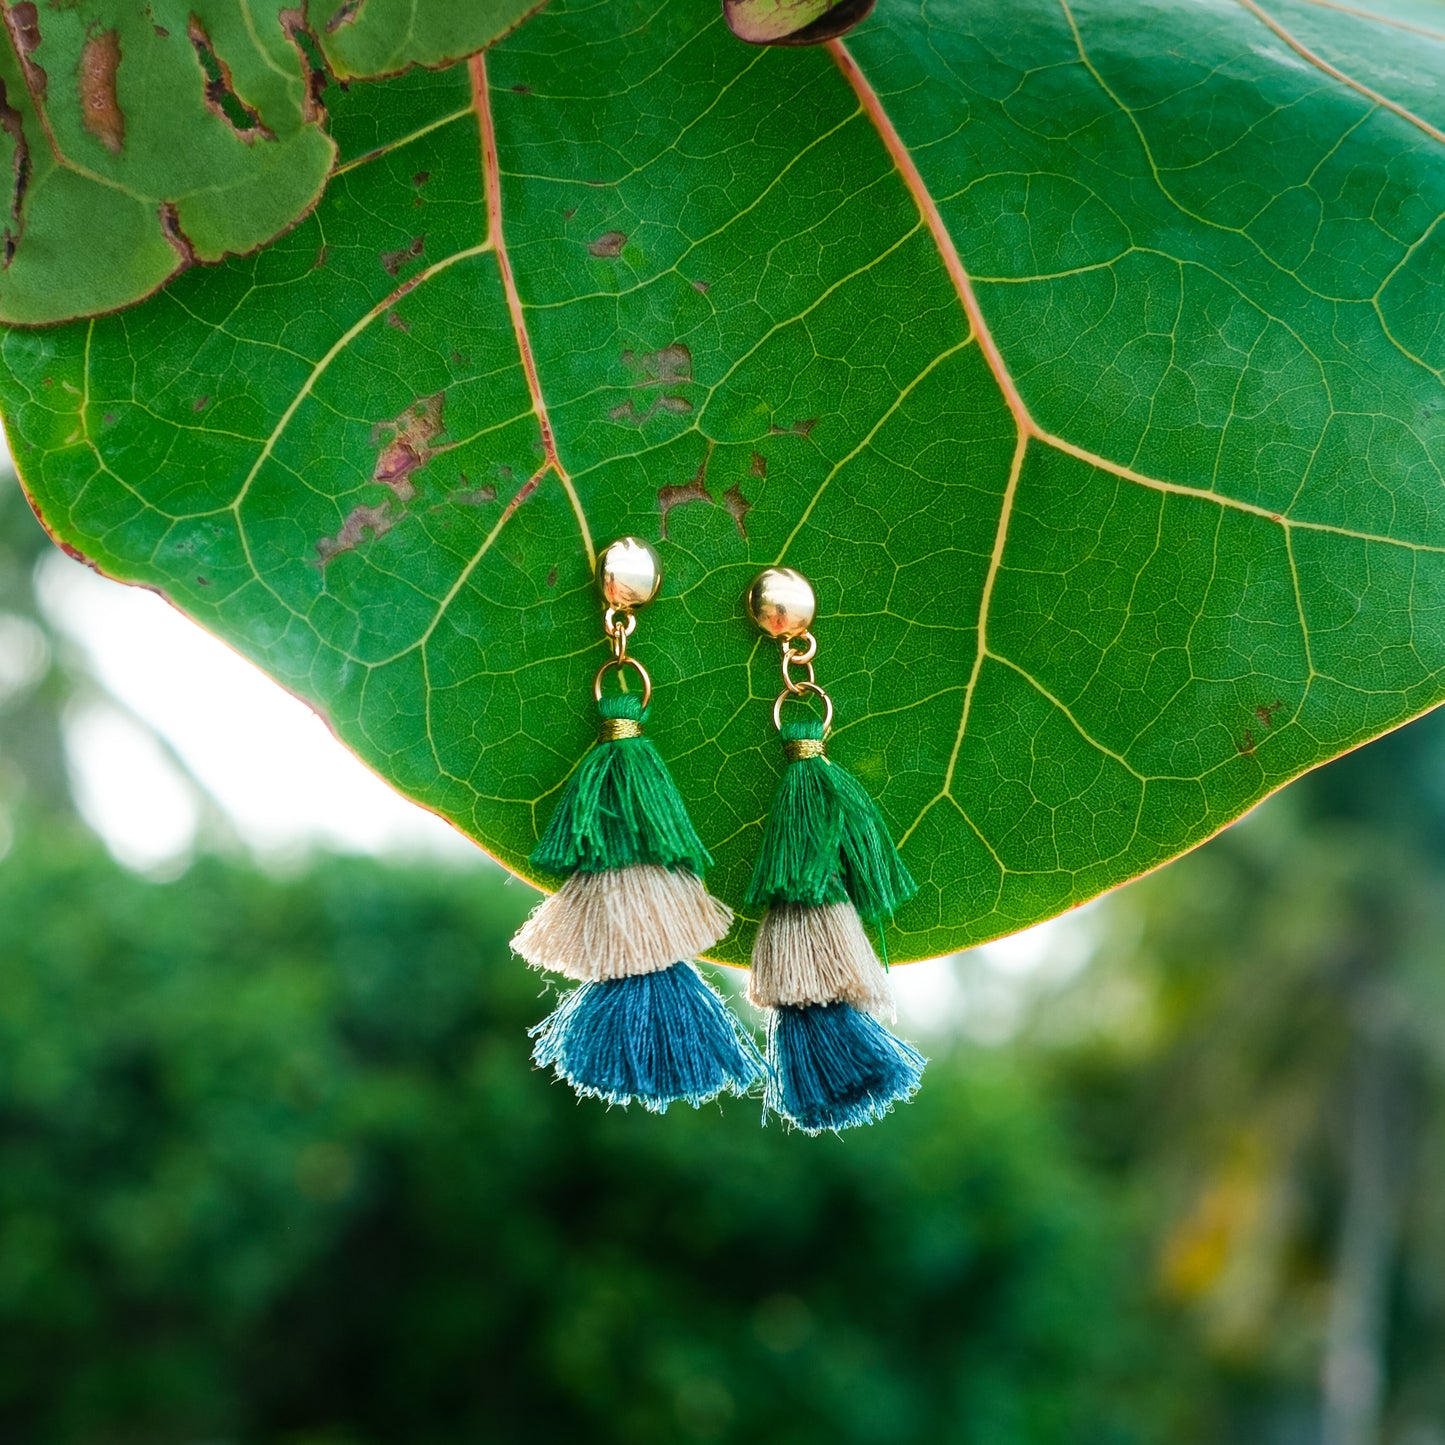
{"x":796,"y":749}
{"x":615,"y":728}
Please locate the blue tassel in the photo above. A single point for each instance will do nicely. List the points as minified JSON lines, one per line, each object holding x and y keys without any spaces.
{"x":653,"y":1038}
{"x":833,"y":1066}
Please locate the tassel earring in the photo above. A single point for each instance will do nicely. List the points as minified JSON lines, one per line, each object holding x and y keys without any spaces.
{"x":644,"y":1025}
{"x":826,"y":863}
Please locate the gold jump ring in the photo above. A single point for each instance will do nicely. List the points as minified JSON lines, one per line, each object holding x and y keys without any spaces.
{"x":788,"y":682}
{"x":797,"y":691}
{"x":619,"y":663}
{"x":806,"y":654}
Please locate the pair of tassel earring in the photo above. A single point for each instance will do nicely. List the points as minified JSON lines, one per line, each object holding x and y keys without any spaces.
{"x":643,"y":1025}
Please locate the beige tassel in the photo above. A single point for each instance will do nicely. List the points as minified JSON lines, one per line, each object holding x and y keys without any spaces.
{"x":621,"y":922}
{"x":816,"y":954}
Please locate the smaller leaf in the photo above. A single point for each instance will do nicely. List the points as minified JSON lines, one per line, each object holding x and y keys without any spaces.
{"x":793,"y":22}
{"x":369,"y":38}
{"x":137,"y":141}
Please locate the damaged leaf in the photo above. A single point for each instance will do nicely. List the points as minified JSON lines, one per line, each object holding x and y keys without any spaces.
{"x":100,"y":111}
{"x":141,"y":140}
{"x":793,"y":22}
{"x":363,"y":38}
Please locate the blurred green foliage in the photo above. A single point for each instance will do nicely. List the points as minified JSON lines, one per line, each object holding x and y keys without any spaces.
{"x":1259,"y":1046}
{"x":274,"y":1166}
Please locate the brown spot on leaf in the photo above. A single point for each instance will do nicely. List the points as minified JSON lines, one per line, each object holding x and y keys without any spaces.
{"x":476,"y":497}
{"x":420,"y":179}
{"x":798,"y":428}
{"x":1265,"y":713}
{"x":393,"y":261}
{"x":738,"y":508}
{"x":552,"y":578}
{"x":678,"y":405}
{"x":377,"y":520}
{"x":672,"y":363}
{"x":627,"y":411}
{"x":23,"y":23}
{"x":394,"y":469}
{"x":320,"y":260}
{"x":522,"y":89}
{"x":171,"y":229}
{"x":100,"y":110}
{"x":608,"y":246}
{"x":569,"y":213}
{"x":664,"y":371}
{"x":683,"y":493}
{"x":203,"y":582}
{"x":759,"y":466}
{"x":1245,"y":745}
{"x":200,"y":403}
{"x":293,"y":23}
{"x":220,"y":91}
{"x":406,"y":444}
{"x":13,"y":124}
{"x":523,"y":492}
{"x":345,"y":15}
{"x":397,"y":322}
{"x":700,"y":286}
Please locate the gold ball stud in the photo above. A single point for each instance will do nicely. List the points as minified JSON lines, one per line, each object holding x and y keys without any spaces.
{"x":782,"y":603}
{"x":629,"y":573}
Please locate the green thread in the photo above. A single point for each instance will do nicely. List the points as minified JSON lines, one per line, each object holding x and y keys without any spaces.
{"x":826,"y":841}
{"x":620,"y":807}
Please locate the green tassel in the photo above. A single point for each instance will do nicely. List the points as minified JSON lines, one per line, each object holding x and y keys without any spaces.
{"x":825,"y":840}
{"x":620,"y":807}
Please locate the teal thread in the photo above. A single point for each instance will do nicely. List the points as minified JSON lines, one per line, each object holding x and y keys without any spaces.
{"x":652,"y":1039}
{"x":833,"y":1067}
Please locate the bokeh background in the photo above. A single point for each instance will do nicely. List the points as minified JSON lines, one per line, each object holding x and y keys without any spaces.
{"x":275,"y":1168}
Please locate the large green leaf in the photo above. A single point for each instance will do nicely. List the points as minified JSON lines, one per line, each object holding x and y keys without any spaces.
{"x":138,"y":139}
{"x":1085,"y":357}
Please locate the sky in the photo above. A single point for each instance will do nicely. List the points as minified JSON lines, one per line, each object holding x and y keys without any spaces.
{"x":281,"y":779}
{"x":193,"y":742}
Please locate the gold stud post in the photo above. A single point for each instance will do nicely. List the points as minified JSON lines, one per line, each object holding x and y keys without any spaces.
{"x":628,"y":574}
{"x":782,"y":603}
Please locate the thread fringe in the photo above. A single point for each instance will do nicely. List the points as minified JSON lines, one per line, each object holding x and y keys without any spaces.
{"x":652,"y":1039}
{"x":832,"y":1067}
{"x":816,"y":954}
{"x":622,"y":922}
